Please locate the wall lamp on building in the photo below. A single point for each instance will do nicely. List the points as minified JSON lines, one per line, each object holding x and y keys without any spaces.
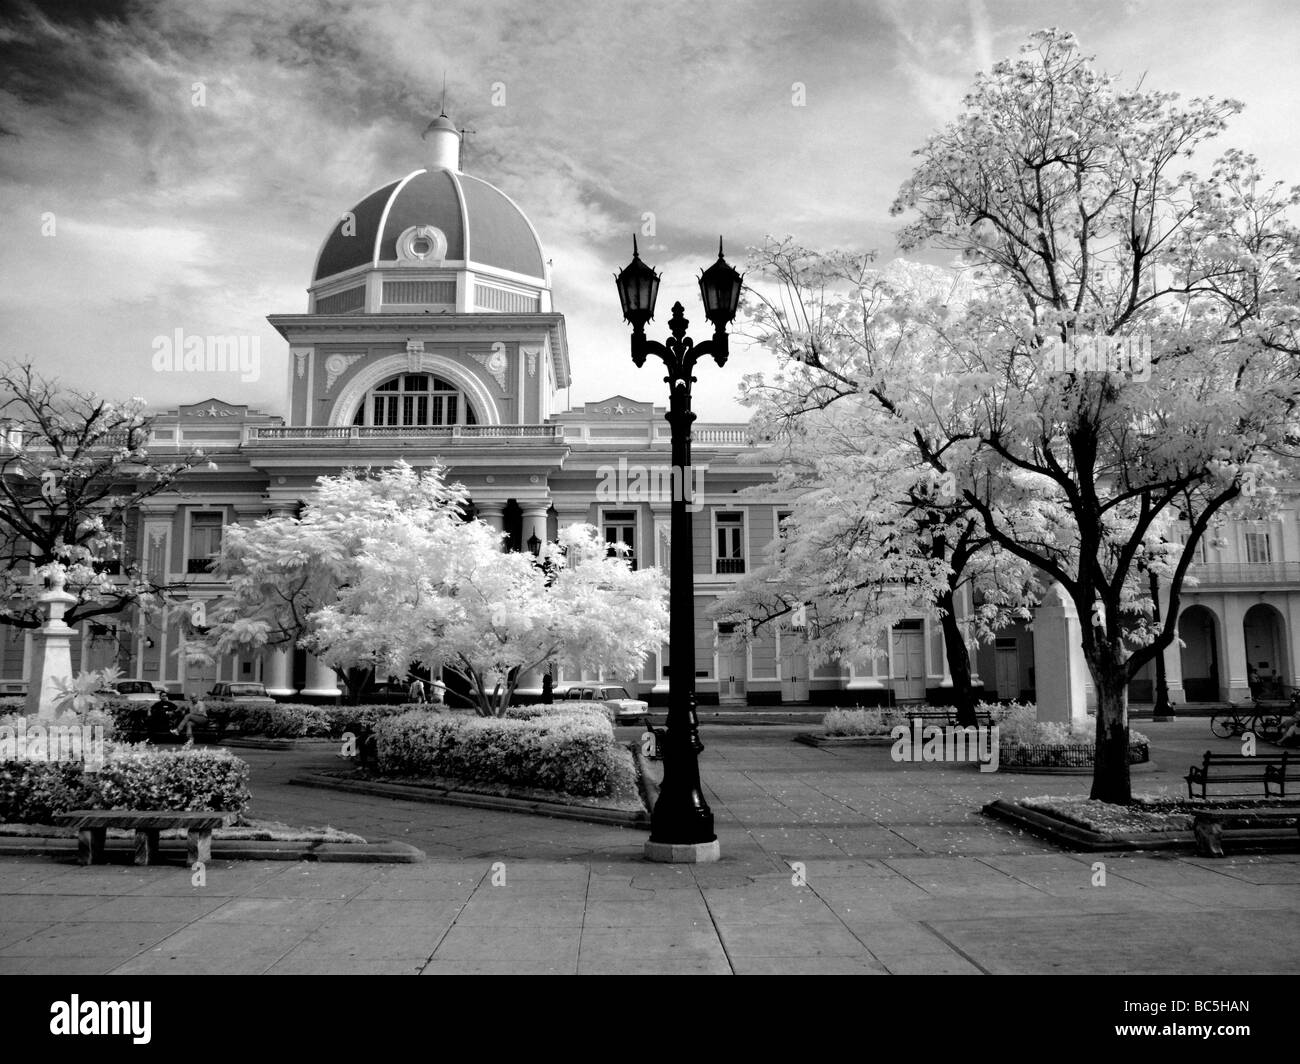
{"x":681,"y":823}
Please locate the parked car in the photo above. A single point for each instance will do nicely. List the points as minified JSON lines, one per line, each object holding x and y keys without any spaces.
{"x":621,"y":706}
{"x":146,"y":691}
{"x":248,"y":693}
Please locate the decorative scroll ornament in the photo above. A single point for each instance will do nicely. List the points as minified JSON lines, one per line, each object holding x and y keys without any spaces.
{"x":301,"y":356}
{"x":335,"y":366}
{"x":494,"y":363}
{"x":531,"y":354}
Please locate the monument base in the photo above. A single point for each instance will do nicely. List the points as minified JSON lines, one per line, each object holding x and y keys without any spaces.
{"x":687,"y":853}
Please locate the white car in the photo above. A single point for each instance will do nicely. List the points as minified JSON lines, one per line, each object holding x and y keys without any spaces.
{"x":136,"y":691}
{"x":621,"y":706}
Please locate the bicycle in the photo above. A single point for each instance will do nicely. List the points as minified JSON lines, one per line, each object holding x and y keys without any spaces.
{"x":1232,"y":723}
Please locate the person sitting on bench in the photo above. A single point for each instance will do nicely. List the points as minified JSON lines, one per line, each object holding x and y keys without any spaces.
{"x":161,"y":715}
{"x":1291,"y":733}
{"x":198,"y":715}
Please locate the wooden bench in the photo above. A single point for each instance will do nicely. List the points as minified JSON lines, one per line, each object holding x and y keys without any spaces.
{"x":945,"y":717}
{"x":1245,"y":825}
{"x":1268,"y":769}
{"x":92,"y":826}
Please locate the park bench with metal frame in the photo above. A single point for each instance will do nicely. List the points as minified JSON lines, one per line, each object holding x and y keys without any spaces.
{"x":92,"y":826}
{"x":1269,"y":769}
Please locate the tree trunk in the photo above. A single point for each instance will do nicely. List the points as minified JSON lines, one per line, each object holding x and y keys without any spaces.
{"x":1110,"y":775}
{"x":954,"y":645}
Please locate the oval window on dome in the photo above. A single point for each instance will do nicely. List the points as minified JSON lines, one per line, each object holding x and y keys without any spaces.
{"x":415,"y":400}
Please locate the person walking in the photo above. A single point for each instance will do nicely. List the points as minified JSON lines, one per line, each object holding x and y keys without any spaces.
{"x":416,"y":692}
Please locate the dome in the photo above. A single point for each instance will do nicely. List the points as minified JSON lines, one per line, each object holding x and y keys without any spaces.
{"x":456,"y":219}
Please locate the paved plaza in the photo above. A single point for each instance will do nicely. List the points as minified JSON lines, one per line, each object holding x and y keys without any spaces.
{"x":834,"y":861}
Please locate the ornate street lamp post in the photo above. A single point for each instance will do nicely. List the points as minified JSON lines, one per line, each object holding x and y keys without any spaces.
{"x":682,"y":823}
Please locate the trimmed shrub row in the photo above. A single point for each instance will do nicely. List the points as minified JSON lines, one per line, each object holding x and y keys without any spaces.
{"x":184,"y":780}
{"x":556,"y":751}
{"x":540,"y":711}
{"x":285,"y":720}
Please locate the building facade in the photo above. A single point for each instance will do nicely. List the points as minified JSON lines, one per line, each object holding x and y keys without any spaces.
{"x":429,"y":335}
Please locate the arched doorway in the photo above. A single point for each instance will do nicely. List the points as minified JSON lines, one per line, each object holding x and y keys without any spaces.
{"x":1266,"y":664}
{"x":1198,"y":628}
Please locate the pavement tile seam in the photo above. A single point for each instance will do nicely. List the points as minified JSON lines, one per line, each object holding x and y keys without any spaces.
{"x":713,"y":921}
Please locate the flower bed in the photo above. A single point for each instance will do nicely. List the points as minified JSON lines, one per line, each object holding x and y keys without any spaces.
{"x":557,"y":752}
{"x":862,"y":723}
{"x":185,"y":780}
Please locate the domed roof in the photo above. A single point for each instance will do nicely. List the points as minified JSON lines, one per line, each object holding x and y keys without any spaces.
{"x":481,"y":224}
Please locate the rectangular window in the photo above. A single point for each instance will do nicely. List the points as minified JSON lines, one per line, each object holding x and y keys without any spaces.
{"x":730,"y":545}
{"x":205,"y":540}
{"x":620,"y":527}
{"x":1258,"y":549}
{"x":781,"y":517}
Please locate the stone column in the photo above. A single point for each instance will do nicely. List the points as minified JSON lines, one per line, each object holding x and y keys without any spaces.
{"x":321,"y":679}
{"x":51,"y":658}
{"x":1060,"y":673}
{"x":276,"y":674}
{"x":534,"y":522}
{"x":1234,"y":645}
{"x":492,"y":513}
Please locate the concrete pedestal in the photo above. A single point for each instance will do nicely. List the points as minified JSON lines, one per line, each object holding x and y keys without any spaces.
{"x":694,"y":853}
{"x":51,"y":660}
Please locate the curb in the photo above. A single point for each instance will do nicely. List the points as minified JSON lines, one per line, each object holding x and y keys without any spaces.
{"x":443,"y":796}
{"x":229,"y":850}
{"x":809,"y":739}
{"x":1066,"y":770}
{"x":1074,"y":837}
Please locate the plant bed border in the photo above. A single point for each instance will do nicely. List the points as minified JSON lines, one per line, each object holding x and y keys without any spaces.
{"x":1076,"y":837}
{"x":449,"y":795}
{"x":810,"y":739}
{"x":225,"y":850}
{"x":1067,"y":770}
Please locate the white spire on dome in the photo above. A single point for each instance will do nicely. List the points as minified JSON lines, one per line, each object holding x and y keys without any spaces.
{"x":444,"y":143}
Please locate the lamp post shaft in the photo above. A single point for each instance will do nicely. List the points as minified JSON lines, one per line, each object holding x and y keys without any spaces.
{"x":681,"y":815}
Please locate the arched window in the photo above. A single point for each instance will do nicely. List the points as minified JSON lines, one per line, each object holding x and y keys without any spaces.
{"x":414,"y":400}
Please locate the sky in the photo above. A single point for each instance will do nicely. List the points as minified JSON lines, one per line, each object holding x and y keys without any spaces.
{"x":170,"y":165}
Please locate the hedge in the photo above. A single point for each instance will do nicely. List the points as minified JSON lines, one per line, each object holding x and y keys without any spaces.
{"x":540,"y":710}
{"x":186,"y":780}
{"x":563,"y":752}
